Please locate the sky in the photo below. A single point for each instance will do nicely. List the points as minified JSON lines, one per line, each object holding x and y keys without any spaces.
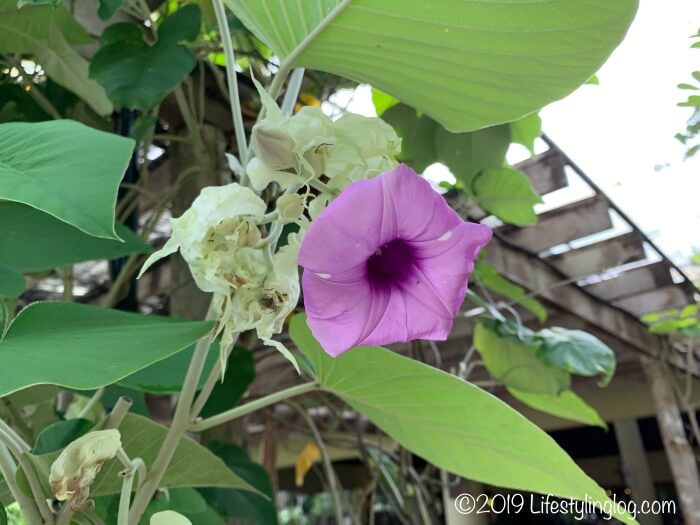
{"x":621,"y":132}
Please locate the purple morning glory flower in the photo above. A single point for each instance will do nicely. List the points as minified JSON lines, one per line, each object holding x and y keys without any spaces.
{"x":387,"y":262}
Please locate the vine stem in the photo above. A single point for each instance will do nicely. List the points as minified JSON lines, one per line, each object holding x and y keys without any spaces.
{"x":132,"y":467}
{"x":234,"y":97}
{"x":177,"y":429}
{"x":27,"y":505}
{"x":208,"y":388}
{"x":92,"y":402}
{"x":235,"y":413}
{"x":29,"y":471}
{"x":293,"y":90}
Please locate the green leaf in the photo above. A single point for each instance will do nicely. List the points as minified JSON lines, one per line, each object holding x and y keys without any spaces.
{"x":106,"y":9}
{"x":577,"y":352}
{"x":488,"y":276}
{"x":450,"y":423}
{"x":21,"y":30}
{"x":3,"y":515}
{"x":566,"y":405}
{"x":192,"y":464}
{"x":59,"y":435}
{"x":516,"y":365}
{"x":466,"y":63}
{"x":467,"y":154}
{"x":238,"y":504}
{"x":382,"y":101}
{"x":66,"y":169}
{"x":166,"y":376}
{"x":11,"y":283}
{"x":240,"y":372}
{"x":507,"y":194}
{"x":593,"y":80}
{"x":66,"y":67}
{"x":525,"y":130}
{"x":86,"y":347}
{"x":138,"y":75}
{"x":417,"y":134}
{"x":61,"y":244}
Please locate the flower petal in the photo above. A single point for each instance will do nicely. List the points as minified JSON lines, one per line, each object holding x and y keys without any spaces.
{"x":445,"y":265}
{"x":421,"y":212}
{"x":340,"y":313}
{"x":347,"y":232}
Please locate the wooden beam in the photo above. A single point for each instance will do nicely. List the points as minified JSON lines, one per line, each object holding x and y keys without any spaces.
{"x":599,"y":256}
{"x":672,"y":296}
{"x":632,"y":282}
{"x":562,"y":225}
{"x":545,"y":171}
{"x":680,"y":455}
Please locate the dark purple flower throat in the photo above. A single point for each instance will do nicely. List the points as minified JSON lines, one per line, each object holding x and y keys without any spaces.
{"x":392,"y":264}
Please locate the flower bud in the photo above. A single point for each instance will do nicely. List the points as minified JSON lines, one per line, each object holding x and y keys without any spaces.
{"x":290,"y":207}
{"x":78,"y":464}
{"x":169,"y":517}
{"x":273,"y":146}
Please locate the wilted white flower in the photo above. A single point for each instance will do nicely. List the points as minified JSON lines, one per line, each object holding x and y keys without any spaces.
{"x":366,"y":147}
{"x":293,"y":150}
{"x":290,"y":207}
{"x":78,"y":464}
{"x":219,"y":239}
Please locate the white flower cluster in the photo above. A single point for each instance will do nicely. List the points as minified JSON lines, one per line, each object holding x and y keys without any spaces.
{"x":292,"y":151}
{"x":219,"y":236}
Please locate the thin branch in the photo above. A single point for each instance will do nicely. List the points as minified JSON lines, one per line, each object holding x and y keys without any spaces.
{"x":27,"y":505}
{"x":177,"y":429}
{"x":235,"y":413}
{"x":92,"y":403}
{"x":26,"y":466}
{"x":234,"y":97}
{"x":208,"y":388}
{"x":292,"y":93}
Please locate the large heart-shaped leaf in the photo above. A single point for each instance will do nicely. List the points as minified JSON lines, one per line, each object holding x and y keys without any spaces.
{"x":11,"y":282}
{"x":166,"y":376}
{"x":66,"y":169}
{"x":192,"y":464}
{"x":566,"y":405}
{"x":240,"y":372}
{"x":22,"y":29}
{"x":577,"y":352}
{"x":61,"y":244}
{"x":138,"y":75}
{"x":515,"y":364}
{"x":237,"y":504}
{"x":86,"y":347}
{"x":467,"y":63}
{"x":508,"y":194}
{"x":66,"y":67}
{"x":449,"y":422}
